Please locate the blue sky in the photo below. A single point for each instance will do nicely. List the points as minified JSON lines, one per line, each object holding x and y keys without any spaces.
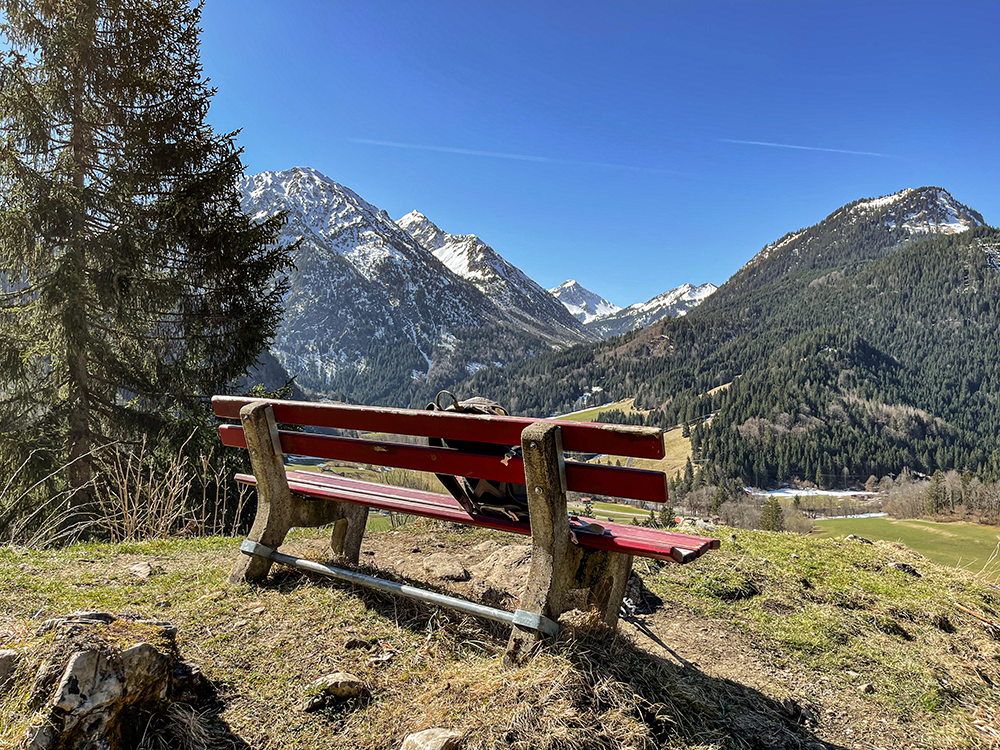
{"x":618,"y":144}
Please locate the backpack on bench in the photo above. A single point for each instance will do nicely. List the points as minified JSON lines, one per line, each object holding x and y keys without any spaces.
{"x":481,"y":496}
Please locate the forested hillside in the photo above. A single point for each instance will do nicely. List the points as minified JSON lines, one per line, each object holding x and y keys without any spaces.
{"x":842,"y":358}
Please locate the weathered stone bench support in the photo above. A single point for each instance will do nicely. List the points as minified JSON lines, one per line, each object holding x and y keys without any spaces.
{"x":557,"y":565}
{"x":551,"y":574}
{"x":278,"y":510}
{"x":605,"y":575}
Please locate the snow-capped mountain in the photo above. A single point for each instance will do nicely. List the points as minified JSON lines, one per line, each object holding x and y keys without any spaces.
{"x":503,"y":283}
{"x":859,"y":232}
{"x":929,"y":210}
{"x":583,"y":304}
{"x":371,"y":314}
{"x":673,"y":304}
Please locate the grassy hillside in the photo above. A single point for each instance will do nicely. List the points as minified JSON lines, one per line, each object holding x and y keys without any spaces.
{"x":773,"y":641}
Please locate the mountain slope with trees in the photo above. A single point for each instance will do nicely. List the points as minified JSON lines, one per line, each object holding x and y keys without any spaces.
{"x":865,"y":343}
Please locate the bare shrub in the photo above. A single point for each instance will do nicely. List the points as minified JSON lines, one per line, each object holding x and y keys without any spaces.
{"x":39,"y":516}
{"x":739,"y":515}
{"x":906,"y":500}
{"x":699,"y":501}
{"x":798,"y":522}
{"x":139,"y":497}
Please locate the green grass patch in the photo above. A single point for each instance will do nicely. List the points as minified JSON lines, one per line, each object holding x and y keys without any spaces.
{"x":840,"y":607}
{"x":589,"y":415}
{"x":959,"y":545}
{"x":261,"y":646}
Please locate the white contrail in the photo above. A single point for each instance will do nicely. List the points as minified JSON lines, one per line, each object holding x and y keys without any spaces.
{"x":501,"y":155}
{"x":447,"y":150}
{"x":803,"y":148}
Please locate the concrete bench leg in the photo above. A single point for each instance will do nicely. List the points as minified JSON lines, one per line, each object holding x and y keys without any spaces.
{"x":275,"y":504}
{"x":552,"y":570}
{"x":348,"y":531}
{"x":605,"y":574}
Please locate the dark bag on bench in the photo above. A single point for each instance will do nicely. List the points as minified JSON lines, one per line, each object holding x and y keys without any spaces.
{"x":481,"y":496}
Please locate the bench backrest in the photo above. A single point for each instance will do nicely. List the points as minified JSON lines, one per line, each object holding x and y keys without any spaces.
{"x":617,"y":440}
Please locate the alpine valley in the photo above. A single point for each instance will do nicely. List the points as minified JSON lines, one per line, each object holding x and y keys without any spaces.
{"x":862,"y":345}
{"x":384,"y":312}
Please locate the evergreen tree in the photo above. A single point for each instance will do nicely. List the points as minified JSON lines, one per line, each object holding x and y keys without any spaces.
{"x":133,"y":284}
{"x":935,"y":493}
{"x":718,"y":499}
{"x":773,"y":518}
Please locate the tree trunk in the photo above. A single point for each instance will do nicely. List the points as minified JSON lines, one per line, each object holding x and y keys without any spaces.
{"x":80,"y":436}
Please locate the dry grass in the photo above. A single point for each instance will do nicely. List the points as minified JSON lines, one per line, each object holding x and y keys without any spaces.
{"x":178,"y":727}
{"x":822,"y":607}
{"x":840,"y":607}
{"x":137,"y":500}
{"x":262,"y":645}
{"x":677,"y":450}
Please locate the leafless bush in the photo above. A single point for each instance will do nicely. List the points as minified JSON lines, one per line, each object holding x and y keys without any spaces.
{"x":138,"y":498}
{"x":797,"y":522}
{"x":740,"y":515}
{"x":397,"y":520}
{"x":906,"y":500}
{"x":36,"y":517}
{"x":699,"y":501}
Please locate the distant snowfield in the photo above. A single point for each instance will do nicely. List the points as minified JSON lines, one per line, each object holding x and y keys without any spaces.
{"x":793,"y":492}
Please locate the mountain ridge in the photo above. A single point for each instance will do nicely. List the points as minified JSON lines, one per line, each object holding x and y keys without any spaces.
{"x":583,"y":304}
{"x":502,"y":282}
{"x":673,"y":303}
{"x":371,"y":315}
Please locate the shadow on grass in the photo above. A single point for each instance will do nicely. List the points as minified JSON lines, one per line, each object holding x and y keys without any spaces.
{"x":677,"y":703}
{"x":679,"y":700}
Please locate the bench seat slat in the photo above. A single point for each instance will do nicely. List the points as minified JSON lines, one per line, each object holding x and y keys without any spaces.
{"x":613,"y":481}
{"x":617,"y":440}
{"x":624,"y":538}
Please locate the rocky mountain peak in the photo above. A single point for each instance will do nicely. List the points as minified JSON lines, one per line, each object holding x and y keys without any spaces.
{"x":673,"y":303}
{"x":925,"y":210}
{"x":583,"y":304}
{"x":506,"y":285}
{"x":423,"y":230}
{"x":858,"y":233}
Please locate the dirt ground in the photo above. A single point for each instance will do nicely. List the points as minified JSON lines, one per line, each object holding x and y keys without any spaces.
{"x":832,"y":705}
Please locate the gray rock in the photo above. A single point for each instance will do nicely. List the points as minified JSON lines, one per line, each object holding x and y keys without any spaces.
{"x":142,"y":570}
{"x":443,"y":565}
{"x":905,"y":568}
{"x":8,"y":665}
{"x":858,"y":539}
{"x":487,"y":547}
{"x":506,"y":569}
{"x":147,"y":672}
{"x":338,"y":685}
{"x":83,"y":617}
{"x":92,"y":696}
{"x":433,"y":739}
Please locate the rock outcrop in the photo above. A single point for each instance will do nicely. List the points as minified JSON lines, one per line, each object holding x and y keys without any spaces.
{"x":102,"y":678}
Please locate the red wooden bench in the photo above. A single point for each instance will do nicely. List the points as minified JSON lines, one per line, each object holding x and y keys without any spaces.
{"x":599,"y":561}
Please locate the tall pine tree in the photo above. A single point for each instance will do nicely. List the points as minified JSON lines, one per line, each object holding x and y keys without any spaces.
{"x":132,"y":283}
